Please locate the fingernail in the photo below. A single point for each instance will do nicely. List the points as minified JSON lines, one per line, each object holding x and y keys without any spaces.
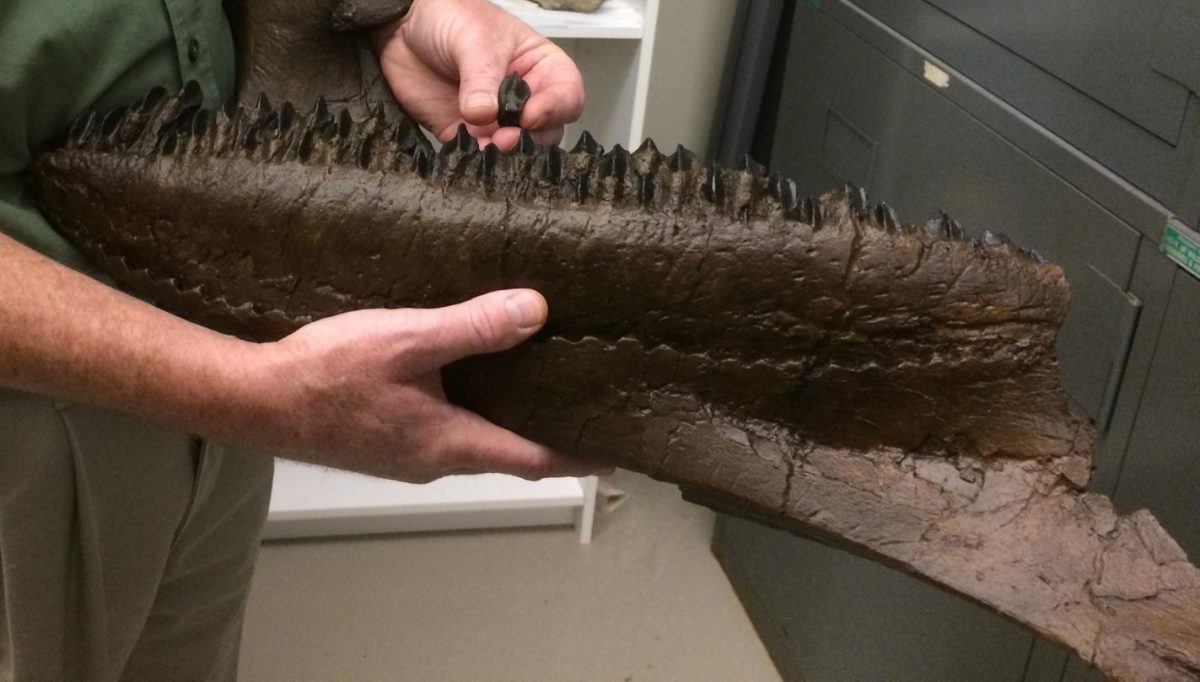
{"x":524,"y":310}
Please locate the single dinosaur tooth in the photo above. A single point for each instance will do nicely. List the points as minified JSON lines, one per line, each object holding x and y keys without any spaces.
{"x":462,"y":142}
{"x":249,"y":141}
{"x":319,"y":117}
{"x":1034,"y":256}
{"x":682,"y":161}
{"x":287,"y":116}
{"x":408,"y":138}
{"x":491,"y":156}
{"x":112,"y":121}
{"x":556,"y":164}
{"x":587,"y":145}
{"x":154,"y":98}
{"x":646,"y":189}
{"x":378,"y":115}
{"x":615,"y":164}
{"x":422,"y":162}
{"x":812,"y":211}
{"x":714,"y":184}
{"x":989,"y":238}
{"x":514,"y":93}
{"x":263,"y":105}
{"x":942,"y":226}
{"x":886,"y":217}
{"x":304,"y":149}
{"x":525,"y":144}
{"x":168,"y":142}
{"x":646,"y":159}
{"x":345,"y":124}
{"x":363,"y":155}
{"x":857,"y":198}
{"x":784,"y":191}
{"x":83,"y":126}
{"x":647,"y":148}
{"x":754,"y":168}
{"x":191,"y":95}
{"x":954,"y":229}
{"x":200,"y":123}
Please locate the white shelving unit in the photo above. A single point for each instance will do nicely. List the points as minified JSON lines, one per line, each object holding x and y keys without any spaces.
{"x":613,"y":49}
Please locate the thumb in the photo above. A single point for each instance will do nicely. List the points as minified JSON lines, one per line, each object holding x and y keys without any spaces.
{"x":485,"y":324}
{"x":482,"y":64}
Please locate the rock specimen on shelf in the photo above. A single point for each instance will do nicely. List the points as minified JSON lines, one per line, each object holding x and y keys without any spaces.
{"x":571,"y":5}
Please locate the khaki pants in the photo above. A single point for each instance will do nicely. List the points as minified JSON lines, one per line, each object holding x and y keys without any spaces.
{"x":126,"y":550}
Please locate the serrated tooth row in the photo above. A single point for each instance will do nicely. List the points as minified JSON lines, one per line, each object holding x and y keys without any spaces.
{"x":644,"y":177}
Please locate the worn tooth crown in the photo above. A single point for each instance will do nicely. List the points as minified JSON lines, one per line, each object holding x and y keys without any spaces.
{"x":587,"y":145}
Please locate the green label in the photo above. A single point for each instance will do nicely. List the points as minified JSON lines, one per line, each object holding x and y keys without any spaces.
{"x":1182,"y":246}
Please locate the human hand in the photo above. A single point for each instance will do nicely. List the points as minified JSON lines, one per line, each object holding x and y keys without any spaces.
{"x":362,"y":391}
{"x":445,"y":59}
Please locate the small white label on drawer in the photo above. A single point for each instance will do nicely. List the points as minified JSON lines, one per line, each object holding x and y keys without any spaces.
{"x":936,"y":75}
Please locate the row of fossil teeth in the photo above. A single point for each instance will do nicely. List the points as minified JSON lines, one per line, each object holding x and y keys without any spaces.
{"x":162,"y":125}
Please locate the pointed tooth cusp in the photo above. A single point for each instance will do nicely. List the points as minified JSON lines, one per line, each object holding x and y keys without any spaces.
{"x":83,"y":127}
{"x":263,"y":105}
{"x":993,"y":239}
{"x":682,"y":161}
{"x":784,"y":190}
{"x":647,"y":147}
{"x":462,"y":142}
{"x":587,"y":145}
{"x":886,"y":217}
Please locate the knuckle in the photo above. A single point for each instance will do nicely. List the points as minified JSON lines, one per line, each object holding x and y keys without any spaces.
{"x":538,"y":470}
{"x":484,"y":329}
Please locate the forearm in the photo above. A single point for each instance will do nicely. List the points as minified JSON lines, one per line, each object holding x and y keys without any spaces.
{"x":65,"y":335}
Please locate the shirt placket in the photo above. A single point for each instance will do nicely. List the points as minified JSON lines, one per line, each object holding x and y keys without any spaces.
{"x":193,"y":46}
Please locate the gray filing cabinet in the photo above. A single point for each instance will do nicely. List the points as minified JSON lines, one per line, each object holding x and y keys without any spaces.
{"x":1072,"y":126}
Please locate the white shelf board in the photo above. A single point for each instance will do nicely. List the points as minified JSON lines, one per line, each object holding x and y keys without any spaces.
{"x":314,"y":501}
{"x":616,"y":19}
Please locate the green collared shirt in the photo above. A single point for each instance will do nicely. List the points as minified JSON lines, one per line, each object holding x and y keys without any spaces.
{"x":58,"y":58}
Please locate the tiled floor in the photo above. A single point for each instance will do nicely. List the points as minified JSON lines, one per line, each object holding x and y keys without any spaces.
{"x":646,"y":601}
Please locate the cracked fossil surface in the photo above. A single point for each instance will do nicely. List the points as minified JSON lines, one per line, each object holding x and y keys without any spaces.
{"x":813,"y":363}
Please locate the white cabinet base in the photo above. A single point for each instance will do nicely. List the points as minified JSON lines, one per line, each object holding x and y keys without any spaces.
{"x":311,"y":501}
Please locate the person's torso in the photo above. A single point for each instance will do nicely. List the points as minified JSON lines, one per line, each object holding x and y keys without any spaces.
{"x":62,"y":57}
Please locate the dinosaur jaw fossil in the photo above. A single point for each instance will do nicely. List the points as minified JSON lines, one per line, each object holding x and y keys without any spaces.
{"x":813,"y":363}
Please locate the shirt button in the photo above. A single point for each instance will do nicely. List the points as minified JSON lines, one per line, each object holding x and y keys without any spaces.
{"x":193,"y":50}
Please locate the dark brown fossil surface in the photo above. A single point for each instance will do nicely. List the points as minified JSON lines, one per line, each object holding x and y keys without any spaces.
{"x":813,"y":363}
